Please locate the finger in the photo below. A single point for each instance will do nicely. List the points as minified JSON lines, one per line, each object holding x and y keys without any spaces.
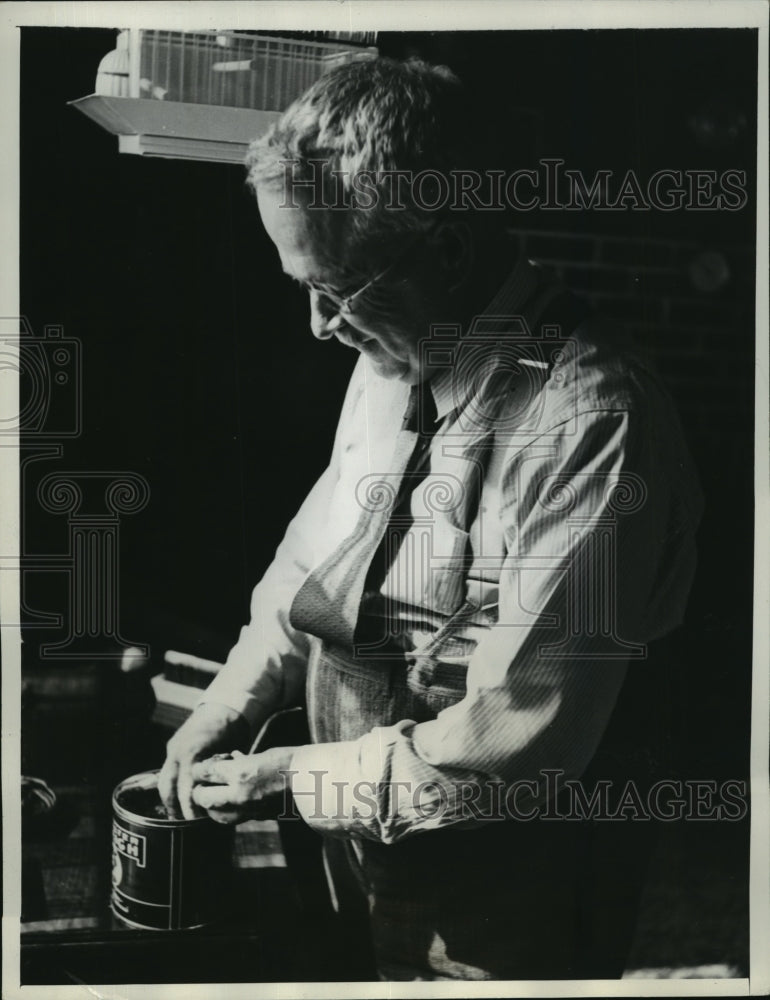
{"x":167,"y":784}
{"x":212,"y":796}
{"x":184,"y":790}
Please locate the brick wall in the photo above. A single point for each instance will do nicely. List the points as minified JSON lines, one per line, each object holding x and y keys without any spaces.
{"x":702,"y":342}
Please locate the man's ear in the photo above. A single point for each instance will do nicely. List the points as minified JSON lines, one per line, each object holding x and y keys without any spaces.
{"x":454,"y":246}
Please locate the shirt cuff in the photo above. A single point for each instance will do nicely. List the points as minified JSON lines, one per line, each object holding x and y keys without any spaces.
{"x":327,"y":788}
{"x":373,"y":787}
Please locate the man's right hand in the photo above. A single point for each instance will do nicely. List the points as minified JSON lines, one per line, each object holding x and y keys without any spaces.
{"x":210,"y":729}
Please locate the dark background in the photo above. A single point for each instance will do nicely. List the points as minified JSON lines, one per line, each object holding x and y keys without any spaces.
{"x":200,"y":374}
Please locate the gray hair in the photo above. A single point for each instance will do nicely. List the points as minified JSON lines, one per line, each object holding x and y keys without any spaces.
{"x":365,"y":120}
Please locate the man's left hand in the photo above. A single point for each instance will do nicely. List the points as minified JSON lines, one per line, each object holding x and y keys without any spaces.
{"x":233,"y":787}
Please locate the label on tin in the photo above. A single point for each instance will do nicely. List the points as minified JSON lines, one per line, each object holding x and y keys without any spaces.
{"x":145,"y":869}
{"x":169,"y":877}
{"x":131,"y":845}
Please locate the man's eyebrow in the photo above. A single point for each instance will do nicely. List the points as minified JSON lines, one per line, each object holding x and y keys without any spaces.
{"x":345,"y":282}
{"x":310,"y":283}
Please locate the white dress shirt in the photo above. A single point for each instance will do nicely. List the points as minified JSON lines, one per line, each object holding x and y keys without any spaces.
{"x":551,"y":539}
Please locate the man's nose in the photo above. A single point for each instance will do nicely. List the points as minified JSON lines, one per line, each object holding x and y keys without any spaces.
{"x":324,"y":318}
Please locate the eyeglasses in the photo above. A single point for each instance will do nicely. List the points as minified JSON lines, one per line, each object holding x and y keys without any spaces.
{"x":345,"y":304}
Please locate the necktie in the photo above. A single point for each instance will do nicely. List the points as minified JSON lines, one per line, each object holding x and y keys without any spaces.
{"x":327,"y":604}
{"x":420,"y":417}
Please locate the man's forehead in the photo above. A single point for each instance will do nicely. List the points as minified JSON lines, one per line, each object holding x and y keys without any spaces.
{"x":313,"y":243}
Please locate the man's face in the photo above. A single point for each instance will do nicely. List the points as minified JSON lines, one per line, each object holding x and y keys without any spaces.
{"x":389,"y":320}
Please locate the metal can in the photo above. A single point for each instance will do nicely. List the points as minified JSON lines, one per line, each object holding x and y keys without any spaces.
{"x":167,"y":874}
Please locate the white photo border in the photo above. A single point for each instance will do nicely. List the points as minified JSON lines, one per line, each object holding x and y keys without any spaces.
{"x":372,"y":15}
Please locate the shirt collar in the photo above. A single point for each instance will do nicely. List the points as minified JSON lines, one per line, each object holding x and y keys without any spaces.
{"x":516,"y":291}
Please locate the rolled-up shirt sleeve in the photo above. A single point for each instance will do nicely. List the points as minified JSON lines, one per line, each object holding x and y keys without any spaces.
{"x":599,"y":561}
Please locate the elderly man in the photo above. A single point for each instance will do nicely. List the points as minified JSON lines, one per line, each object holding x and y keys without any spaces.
{"x":506,"y":521}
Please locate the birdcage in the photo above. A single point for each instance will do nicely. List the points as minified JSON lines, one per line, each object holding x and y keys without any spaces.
{"x":206,"y":94}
